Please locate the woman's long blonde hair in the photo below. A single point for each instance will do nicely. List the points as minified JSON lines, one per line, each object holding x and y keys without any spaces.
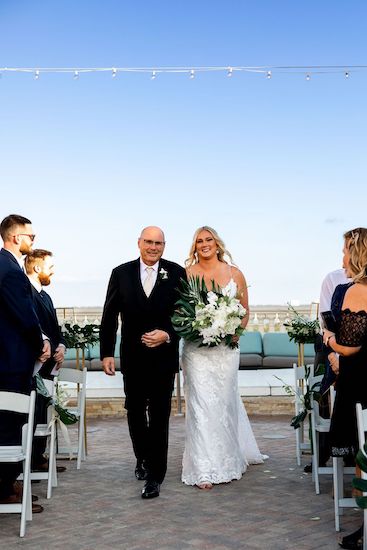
{"x":356,"y":243}
{"x":221,"y":247}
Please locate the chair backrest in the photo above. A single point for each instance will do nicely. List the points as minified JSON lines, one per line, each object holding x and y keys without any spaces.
{"x":76,"y":377}
{"x":312,"y":380}
{"x":15,"y":402}
{"x":21,"y":403}
{"x":72,"y":375}
{"x":361,"y":424}
{"x":300,"y":374}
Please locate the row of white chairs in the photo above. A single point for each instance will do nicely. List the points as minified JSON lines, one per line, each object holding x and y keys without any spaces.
{"x":322,"y":425}
{"x":16,"y":402}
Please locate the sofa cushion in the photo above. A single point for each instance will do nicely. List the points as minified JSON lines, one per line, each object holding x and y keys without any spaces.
{"x":283,"y":362}
{"x":250,"y":361}
{"x":251,"y":342}
{"x":279,"y":344}
{"x":94,"y":351}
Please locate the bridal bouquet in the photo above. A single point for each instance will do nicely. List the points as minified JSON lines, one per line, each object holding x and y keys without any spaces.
{"x":300,"y":328}
{"x":207,"y":317}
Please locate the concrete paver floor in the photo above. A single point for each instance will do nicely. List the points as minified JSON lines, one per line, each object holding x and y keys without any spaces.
{"x":274,"y":505}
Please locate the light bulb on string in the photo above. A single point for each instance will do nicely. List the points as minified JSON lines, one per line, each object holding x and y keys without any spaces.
{"x":114,"y":73}
{"x":346,"y":74}
{"x":268,"y":75}
{"x":36,"y":75}
{"x":308,"y":76}
{"x":76,"y":75}
{"x":230,"y":72}
{"x":154,"y":75}
{"x":192,"y":74}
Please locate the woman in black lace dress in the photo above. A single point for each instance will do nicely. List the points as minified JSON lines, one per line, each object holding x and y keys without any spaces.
{"x":350,"y":342}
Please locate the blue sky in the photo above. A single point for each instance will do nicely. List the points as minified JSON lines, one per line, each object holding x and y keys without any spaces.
{"x":276,"y":166}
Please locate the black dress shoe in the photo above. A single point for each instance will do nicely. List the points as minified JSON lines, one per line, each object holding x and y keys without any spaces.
{"x":141,"y":473}
{"x":151,"y":489}
{"x":353,"y":541}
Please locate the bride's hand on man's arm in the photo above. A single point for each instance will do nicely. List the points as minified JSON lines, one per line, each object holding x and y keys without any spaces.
{"x":155,"y":338}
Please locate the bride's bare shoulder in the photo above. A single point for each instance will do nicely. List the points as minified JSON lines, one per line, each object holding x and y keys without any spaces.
{"x":192,"y":271}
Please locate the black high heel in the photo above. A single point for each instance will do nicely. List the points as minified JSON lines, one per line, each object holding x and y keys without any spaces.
{"x":354,"y":540}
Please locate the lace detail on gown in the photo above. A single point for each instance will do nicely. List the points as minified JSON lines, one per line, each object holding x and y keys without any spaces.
{"x":219,"y":441}
{"x":353,"y":328}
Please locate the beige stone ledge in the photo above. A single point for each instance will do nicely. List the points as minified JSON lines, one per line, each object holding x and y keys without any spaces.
{"x":262,"y":405}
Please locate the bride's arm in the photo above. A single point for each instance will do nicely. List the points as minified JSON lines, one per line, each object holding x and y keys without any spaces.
{"x":242,"y":293}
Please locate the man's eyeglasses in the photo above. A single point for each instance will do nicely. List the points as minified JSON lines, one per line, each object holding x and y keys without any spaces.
{"x":32,"y":237}
{"x":158,"y":244}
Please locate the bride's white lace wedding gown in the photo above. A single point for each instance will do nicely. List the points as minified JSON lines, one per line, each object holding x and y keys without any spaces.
{"x":219,"y":441}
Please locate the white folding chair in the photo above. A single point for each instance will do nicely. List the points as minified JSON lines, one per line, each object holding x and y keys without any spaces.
{"x":48,"y":430}
{"x":362,"y":429}
{"x":318,"y":425}
{"x":78,"y":377}
{"x":300,"y":389}
{"x":340,"y":501}
{"x":20,"y":403}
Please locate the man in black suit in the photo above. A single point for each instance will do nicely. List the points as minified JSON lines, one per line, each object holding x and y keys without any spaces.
{"x":21,"y":340}
{"x":143,"y":292}
{"x":39,"y":269}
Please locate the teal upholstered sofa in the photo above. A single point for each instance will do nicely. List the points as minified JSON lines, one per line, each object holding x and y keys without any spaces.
{"x":272,"y":350}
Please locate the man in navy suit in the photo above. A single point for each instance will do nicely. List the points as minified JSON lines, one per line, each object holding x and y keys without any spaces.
{"x":39,"y":268}
{"x":143,"y":292}
{"x":21,"y":339}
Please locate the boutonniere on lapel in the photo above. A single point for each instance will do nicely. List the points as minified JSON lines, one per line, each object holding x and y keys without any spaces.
{"x":163,"y":274}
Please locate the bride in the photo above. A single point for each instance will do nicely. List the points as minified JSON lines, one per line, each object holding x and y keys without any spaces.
{"x":219,"y":442}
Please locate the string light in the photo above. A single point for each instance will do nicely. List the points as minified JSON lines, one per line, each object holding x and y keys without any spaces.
{"x":267,"y":71}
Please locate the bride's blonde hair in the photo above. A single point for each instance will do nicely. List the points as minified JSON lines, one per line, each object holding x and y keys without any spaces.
{"x":221,"y":248}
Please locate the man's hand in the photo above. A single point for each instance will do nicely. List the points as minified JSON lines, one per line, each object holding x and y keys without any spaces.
{"x":46,"y":351}
{"x":59,"y":354}
{"x":155,"y":338}
{"x":108,"y":365}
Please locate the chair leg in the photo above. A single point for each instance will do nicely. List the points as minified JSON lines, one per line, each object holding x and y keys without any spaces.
{"x":298,"y":447}
{"x":81,"y":444}
{"x":338,"y":484}
{"x":26,"y":513}
{"x":52,"y":471}
{"x":315,"y":459}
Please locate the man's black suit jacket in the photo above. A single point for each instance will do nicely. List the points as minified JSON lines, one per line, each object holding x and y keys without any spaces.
{"x":140,"y":314}
{"x":49,"y":324}
{"x":20,"y":333}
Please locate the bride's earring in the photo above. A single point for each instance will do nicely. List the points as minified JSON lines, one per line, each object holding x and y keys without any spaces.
{"x":217,"y":251}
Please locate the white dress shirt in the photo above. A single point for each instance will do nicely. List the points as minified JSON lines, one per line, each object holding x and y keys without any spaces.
{"x":329,"y":284}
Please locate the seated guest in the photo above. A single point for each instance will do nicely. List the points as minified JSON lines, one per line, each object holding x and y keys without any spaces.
{"x":350,"y":342}
{"x":21,"y":341}
{"x":40,"y":268}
